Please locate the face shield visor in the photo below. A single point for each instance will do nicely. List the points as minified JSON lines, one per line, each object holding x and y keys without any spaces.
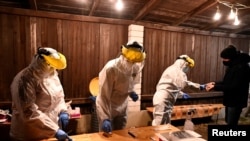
{"x":133,"y":54}
{"x":189,"y":63}
{"x":132,"y":58}
{"x":53,"y":58}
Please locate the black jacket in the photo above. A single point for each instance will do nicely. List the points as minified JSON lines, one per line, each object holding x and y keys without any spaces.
{"x":235,"y":84}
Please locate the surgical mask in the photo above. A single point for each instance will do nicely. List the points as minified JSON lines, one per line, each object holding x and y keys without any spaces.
{"x":125,"y":65}
{"x":185,"y":69}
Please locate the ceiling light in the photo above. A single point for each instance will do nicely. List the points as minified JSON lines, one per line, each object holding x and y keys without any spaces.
{"x":232,"y":15}
{"x":217,"y":15}
{"x":119,"y":5}
{"x":236,"y":20}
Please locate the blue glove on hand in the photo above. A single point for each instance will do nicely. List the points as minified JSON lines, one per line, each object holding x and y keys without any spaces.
{"x":106,"y":126}
{"x":133,"y":96}
{"x":63,"y":120}
{"x":61,"y":135}
{"x":185,"y":96}
{"x":203,"y":86}
{"x":93,"y":98}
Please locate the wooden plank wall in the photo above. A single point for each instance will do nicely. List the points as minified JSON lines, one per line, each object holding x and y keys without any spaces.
{"x":89,"y":45}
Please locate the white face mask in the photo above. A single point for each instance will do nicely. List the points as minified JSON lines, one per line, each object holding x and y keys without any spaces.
{"x":185,"y":69}
{"x":130,"y":68}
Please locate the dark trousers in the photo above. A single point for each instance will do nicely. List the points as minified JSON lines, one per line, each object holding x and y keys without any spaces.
{"x":232,"y":115}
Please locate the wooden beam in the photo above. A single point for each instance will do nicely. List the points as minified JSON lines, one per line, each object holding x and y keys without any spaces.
{"x":94,"y":5}
{"x":146,"y":9}
{"x":62,"y":16}
{"x":196,"y":11}
{"x":33,"y":4}
{"x":189,"y":30}
{"x":241,"y":29}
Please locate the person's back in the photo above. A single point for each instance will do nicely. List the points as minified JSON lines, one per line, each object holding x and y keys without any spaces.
{"x":236,"y":81}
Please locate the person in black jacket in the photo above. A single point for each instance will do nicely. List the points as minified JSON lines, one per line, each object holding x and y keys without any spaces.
{"x":235,"y":84}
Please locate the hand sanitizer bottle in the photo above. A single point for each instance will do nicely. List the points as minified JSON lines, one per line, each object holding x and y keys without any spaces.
{"x":189,"y":125}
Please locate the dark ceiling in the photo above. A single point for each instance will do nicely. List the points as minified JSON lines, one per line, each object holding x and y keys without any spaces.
{"x":193,"y":14}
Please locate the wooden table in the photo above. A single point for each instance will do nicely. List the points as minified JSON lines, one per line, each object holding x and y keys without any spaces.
{"x":142,"y":134}
{"x":201,"y":110}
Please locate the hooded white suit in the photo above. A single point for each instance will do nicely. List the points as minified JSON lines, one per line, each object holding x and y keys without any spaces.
{"x":37,"y":100}
{"x":168,"y":89}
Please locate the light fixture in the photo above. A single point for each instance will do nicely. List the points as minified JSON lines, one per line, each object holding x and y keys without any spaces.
{"x":233,"y":15}
{"x":217,"y":15}
{"x":119,"y":5}
{"x":236,"y":20}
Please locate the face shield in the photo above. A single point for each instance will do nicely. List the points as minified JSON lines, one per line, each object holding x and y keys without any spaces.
{"x":132,"y":58}
{"x":189,"y":63}
{"x":53,"y":58}
{"x":133,"y":52}
{"x":133,"y":55}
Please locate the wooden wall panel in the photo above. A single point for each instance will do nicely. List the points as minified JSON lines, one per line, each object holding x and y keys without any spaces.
{"x":87,"y":47}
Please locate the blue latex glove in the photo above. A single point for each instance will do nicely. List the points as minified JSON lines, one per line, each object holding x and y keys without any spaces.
{"x":63,"y":120}
{"x":203,"y":86}
{"x":133,"y":96}
{"x":93,"y":98}
{"x":106,"y":126}
{"x":62,"y":136}
{"x":185,"y":96}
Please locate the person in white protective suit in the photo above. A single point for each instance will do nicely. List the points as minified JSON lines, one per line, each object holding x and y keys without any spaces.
{"x":38,"y":106}
{"x":116,"y":85}
{"x":169,"y":87}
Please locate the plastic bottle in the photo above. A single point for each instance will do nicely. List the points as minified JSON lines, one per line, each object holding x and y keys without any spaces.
{"x":189,"y":125}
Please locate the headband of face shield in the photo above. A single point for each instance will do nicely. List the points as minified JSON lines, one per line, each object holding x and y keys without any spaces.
{"x":188,"y":60}
{"x":133,"y":52}
{"x":53,"y":58}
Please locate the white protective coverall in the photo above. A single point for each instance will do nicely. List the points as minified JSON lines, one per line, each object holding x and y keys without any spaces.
{"x":116,"y":83}
{"x":37,"y":100}
{"x":168,"y":89}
